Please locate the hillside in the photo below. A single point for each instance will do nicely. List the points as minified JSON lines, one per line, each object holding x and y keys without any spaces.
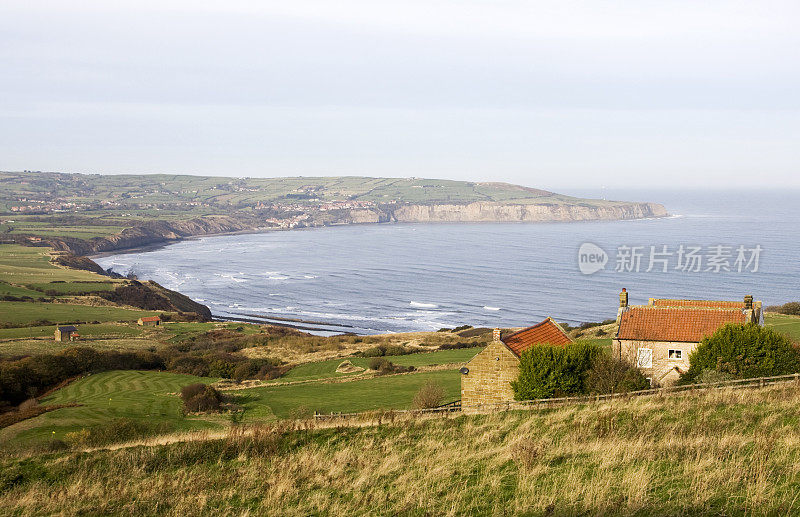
{"x":699,"y":454}
{"x":94,"y":213}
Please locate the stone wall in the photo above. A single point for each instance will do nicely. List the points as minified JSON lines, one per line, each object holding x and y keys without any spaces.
{"x":663,"y":371}
{"x":489,"y":378}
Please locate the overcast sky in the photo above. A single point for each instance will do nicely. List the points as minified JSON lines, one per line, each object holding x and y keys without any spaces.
{"x":549,"y":94}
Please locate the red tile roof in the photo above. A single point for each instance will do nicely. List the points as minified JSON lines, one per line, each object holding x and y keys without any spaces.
{"x":684,"y":324}
{"x":548,"y":332}
{"x":662,"y":302}
{"x":151,"y":318}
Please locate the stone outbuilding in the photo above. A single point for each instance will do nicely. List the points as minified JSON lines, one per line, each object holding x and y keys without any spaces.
{"x":486,"y":378}
{"x":149,"y":321}
{"x":66,"y":333}
{"x":658,"y":337}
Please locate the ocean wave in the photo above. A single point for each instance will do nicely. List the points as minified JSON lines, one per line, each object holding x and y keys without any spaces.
{"x":423,"y":305}
{"x":279,"y":277}
{"x":230,"y":277}
{"x":309,"y":276}
{"x":488,"y":308}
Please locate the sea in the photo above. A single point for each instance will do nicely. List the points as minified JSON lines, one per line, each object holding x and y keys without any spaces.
{"x":370,"y":279}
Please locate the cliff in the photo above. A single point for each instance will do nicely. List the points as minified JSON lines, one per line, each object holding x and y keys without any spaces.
{"x":162,"y":232}
{"x":499,"y":212}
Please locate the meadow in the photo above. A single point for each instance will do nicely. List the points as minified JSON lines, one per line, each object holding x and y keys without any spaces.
{"x":23,"y":313}
{"x":716,"y":453}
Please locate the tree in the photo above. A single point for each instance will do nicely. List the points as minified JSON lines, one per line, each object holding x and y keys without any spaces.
{"x":609,"y":375}
{"x":743,"y":351}
{"x":547,"y":371}
{"x":430,"y":395}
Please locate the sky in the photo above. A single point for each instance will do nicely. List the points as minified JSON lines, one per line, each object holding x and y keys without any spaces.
{"x":550,"y":94}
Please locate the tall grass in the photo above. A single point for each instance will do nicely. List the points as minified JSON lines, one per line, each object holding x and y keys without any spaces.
{"x":719,"y":453}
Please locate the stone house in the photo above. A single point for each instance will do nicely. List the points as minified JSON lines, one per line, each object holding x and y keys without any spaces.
{"x":658,"y":337}
{"x":66,"y":333}
{"x":150,"y":321}
{"x":486,"y":378}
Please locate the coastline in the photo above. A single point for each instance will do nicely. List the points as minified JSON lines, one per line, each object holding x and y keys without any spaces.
{"x":267,"y":229}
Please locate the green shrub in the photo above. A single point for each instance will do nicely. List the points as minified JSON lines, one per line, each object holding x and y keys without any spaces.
{"x":709,"y":376}
{"x":430,"y":395}
{"x":609,"y":375}
{"x":377,"y":363}
{"x":743,"y":351}
{"x":547,"y":371}
{"x":201,"y":397}
{"x":376,"y":351}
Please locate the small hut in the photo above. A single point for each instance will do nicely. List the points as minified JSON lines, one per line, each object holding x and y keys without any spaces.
{"x":150,"y":321}
{"x":66,"y":333}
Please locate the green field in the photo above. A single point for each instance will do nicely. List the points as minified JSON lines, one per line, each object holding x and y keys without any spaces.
{"x":148,"y":396}
{"x":327,"y":369}
{"x":22,"y":265}
{"x":22,"y":313}
{"x":15,"y":290}
{"x":152,"y":396}
{"x":67,"y":288}
{"x":108,"y":330}
{"x":787,"y":324}
{"x":387,"y":392}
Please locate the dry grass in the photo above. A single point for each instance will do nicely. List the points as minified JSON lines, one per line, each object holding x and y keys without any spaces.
{"x":719,"y":453}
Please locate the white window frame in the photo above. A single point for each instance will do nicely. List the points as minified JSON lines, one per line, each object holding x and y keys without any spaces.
{"x":670,"y":354}
{"x":639,"y":362}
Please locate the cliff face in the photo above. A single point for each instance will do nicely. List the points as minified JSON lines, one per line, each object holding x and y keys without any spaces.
{"x":162,"y":232}
{"x":497,"y":212}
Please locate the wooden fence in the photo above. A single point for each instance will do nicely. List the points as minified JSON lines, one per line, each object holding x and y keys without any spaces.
{"x":510,"y":405}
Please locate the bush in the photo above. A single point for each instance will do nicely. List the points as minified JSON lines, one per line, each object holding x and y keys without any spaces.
{"x":201,"y":397}
{"x":377,"y":363}
{"x":547,"y":371}
{"x":458,"y":345}
{"x":709,"y":376}
{"x":609,"y":375}
{"x":430,"y":395}
{"x":376,"y":351}
{"x":743,"y":351}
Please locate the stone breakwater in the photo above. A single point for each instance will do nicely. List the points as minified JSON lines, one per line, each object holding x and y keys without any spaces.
{"x":154,"y":233}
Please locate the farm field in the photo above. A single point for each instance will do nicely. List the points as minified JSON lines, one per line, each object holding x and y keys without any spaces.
{"x":104,"y":396}
{"x":327,"y":369}
{"x":787,"y":324}
{"x":152,"y":396}
{"x":23,"y":313}
{"x":385,"y":392}
{"x":23,"y":265}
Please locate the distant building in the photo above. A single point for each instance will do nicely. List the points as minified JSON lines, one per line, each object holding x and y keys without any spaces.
{"x":658,"y":337}
{"x":486,"y":378}
{"x":66,"y":333}
{"x":150,"y":321}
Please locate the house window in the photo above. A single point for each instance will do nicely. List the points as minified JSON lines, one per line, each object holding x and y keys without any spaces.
{"x":676,"y":354}
{"x":644,"y":358}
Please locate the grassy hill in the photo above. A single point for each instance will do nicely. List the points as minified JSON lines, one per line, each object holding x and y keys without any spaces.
{"x":91,"y":213}
{"x":719,"y":453}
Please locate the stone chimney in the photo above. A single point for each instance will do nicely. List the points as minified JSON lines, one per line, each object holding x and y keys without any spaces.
{"x":748,"y":301}
{"x":623,"y":305}
{"x":496,"y":335}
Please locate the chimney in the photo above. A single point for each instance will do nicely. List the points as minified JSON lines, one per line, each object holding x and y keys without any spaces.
{"x":748,"y":301}
{"x":623,"y":298}
{"x":496,"y":335}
